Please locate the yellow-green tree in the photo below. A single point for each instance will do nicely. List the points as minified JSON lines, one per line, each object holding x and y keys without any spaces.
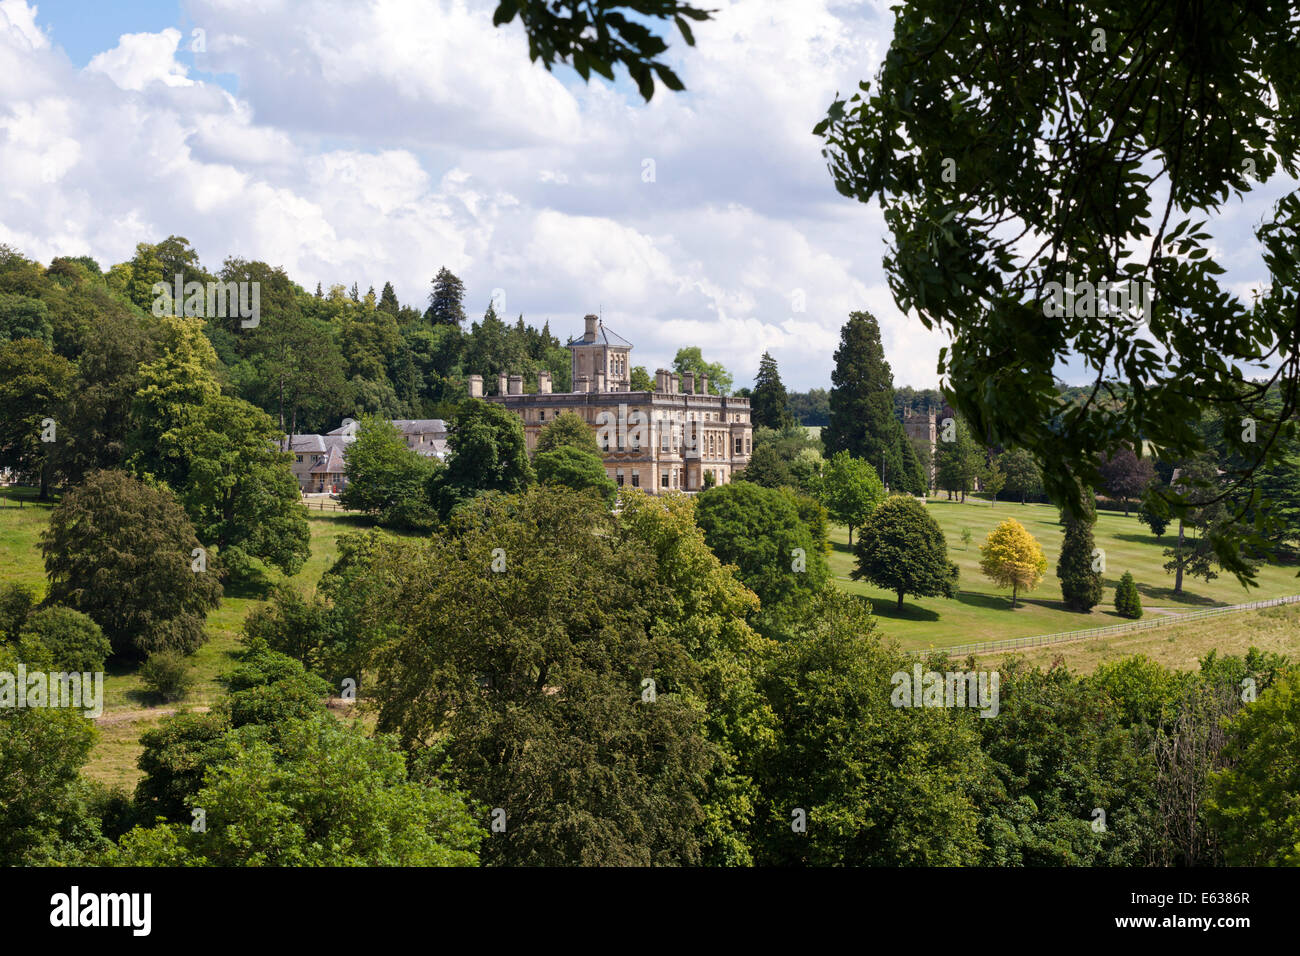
{"x":1012,"y":558}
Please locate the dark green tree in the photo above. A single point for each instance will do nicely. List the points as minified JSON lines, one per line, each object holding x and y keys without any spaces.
{"x":1081,"y":586}
{"x":902,"y":549}
{"x":447,"y":300}
{"x":125,"y":554}
{"x":575,"y":469}
{"x":768,"y":402}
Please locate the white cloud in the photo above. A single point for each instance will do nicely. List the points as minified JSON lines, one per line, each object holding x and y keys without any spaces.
{"x":376,"y":140}
{"x":143,"y":58}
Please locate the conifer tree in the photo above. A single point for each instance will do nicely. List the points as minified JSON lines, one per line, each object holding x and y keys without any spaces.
{"x":1080,"y":585}
{"x":1127,"y":600}
{"x":447,"y":300}
{"x":769,"y":403}
{"x":862,"y":419}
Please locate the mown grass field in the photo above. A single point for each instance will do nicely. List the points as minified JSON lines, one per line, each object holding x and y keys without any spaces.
{"x":982,"y":612}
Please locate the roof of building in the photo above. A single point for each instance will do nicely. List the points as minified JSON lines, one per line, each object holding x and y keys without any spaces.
{"x":603,"y":336}
{"x":317,"y":444}
{"x":407,"y":426}
{"x":333,"y":463}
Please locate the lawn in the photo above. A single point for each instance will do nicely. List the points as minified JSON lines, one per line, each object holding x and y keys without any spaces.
{"x":981,"y":612}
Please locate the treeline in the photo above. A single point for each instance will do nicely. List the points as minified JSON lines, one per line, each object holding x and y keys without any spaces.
{"x":677,"y":682}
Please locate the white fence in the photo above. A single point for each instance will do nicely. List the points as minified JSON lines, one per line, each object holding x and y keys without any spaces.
{"x":1011,"y":644}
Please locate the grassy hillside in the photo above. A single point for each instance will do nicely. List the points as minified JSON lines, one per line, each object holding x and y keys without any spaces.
{"x":981,"y":612}
{"x":128,"y":710}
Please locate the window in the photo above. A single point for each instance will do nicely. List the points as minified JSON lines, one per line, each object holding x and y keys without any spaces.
{"x":542,"y":415}
{"x":618,"y":477}
{"x":299,"y":457}
{"x":663,"y":480}
{"x":739,"y":445}
{"x":636,"y":479}
{"x":746,"y":446}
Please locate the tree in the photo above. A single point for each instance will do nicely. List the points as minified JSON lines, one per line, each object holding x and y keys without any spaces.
{"x":16,"y":604}
{"x":992,"y":481}
{"x":766,"y":467}
{"x":1021,"y":473}
{"x":640,"y":380}
{"x":597,"y":36}
{"x":760,"y":531}
{"x":386,"y":478}
{"x":447,"y":300}
{"x":959,"y":460}
{"x":1153,"y":519}
{"x":125,"y":554}
{"x":239,"y":490}
{"x":1128,"y":603}
{"x":692,"y":360}
{"x":902,"y":549}
{"x":970,"y":139}
{"x":173,"y":389}
{"x":1012,"y":558}
{"x":1080,"y":582}
{"x":488,"y":453}
{"x":769,"y":404}
{"x":96,"y":414}
{"x":69,"y":640}
{"x":44,"y":812}
{"x":1253,"y":801}
{"x":1126,"y":475}
{"x":862,"y":420}
{"x":567,"y":430}
{"x":575,"y":469}
{"x":874,"y":784}
{"x":33,"y":384}
{"x":535,"y":675}
{"x":1199,"y":483}
{"x":851,"y":490}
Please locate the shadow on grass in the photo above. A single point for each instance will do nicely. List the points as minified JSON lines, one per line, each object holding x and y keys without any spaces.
{"x":888,"y":609}
{"x":1147,"y":539}
{"x":1167,"y":594}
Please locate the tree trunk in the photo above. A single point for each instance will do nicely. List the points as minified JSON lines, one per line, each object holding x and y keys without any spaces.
{"x":1178,"y":569}
{"x":1013,"y":595}
{"x":900,"y":600}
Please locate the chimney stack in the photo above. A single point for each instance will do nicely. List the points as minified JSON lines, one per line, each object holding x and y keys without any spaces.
{"x":476,"y":386}
{"x":600,"y":381}
{"x":544,"y":382}
{"x":516,"y":385}
{"x":501,"y":383}
{"x":584,"y":383}
{"x":688,"y":383}
{"x":704,"y":384}
{"x":591,"y":321}
{"x":674,"y":383}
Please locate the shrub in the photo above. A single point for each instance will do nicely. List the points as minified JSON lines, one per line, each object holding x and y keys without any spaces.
{"x":72,"y":641}
{"x":1127,"y":600}
{"x":168,"y":674}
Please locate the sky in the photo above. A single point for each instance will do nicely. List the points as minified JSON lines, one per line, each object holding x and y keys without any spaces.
{"x":378,"y":140}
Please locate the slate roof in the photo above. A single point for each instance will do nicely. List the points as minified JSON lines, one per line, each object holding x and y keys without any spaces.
{"x":332,"y":465}
{"x":604,"y":336}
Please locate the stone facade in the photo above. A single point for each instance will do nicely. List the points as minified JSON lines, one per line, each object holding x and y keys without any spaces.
{"x":668,"y":439}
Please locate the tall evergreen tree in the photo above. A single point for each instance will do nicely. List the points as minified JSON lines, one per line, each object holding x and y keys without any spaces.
{"x":1080,"y":584}
{"x":862,"y":420}
{"x":769,"y":404}
{"x":447,"y":300}
{"x":388,"y":300}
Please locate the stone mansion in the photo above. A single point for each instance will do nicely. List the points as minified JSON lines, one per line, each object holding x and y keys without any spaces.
{"x":674,"y":438}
